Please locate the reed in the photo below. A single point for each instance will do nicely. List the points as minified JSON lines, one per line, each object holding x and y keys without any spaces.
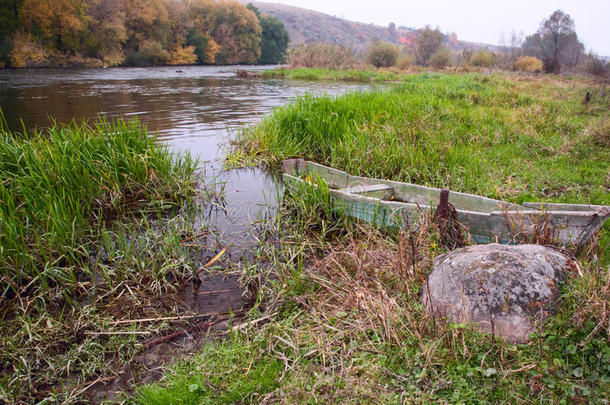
{"x":61,"y":187}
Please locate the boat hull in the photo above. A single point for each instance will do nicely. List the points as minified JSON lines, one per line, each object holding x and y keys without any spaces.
{"x":393,"y":204}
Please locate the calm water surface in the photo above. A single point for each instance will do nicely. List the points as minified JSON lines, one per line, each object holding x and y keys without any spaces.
{"x":191,"y":108}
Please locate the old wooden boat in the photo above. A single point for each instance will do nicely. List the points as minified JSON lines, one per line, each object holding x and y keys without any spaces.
{"x":394,"y":204}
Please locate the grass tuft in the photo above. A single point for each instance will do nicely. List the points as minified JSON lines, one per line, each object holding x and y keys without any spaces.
{"x":60,"y":187}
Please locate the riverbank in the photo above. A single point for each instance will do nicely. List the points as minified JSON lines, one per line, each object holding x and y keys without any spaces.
{"x":350,"y":75}
{"x":337,"y":322}
{"x":92,"y":221}
{"x":393,"y":74}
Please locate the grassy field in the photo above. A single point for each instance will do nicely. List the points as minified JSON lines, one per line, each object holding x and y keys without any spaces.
{"x":338,"y":317}
{"x":90,"y":227}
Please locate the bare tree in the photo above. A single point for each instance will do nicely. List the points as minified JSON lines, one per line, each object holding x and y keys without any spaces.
{"x":555,"y":43}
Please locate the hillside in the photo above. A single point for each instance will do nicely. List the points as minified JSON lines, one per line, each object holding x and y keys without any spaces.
{"x":305,"y":26}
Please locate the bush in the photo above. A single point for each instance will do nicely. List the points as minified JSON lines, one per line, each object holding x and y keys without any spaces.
{"x":382,"y":54}
{"x":113,"y":57}
{"x":482,"y":58}
{"x":323,"y":55}
{"x":183,"y":56}
{"x":596,"y":67}
{"x":151,"y":53}
{"x":405,"y":62}
{"x":26,"y":53}
{"x":440,"y":58}
{"x":529,"y":64}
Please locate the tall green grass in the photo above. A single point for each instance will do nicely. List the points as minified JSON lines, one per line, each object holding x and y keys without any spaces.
{"x":490,"y":135}
{"x":61,"y":186}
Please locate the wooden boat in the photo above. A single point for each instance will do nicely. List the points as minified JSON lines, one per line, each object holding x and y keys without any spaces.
{"x":394,"y":204}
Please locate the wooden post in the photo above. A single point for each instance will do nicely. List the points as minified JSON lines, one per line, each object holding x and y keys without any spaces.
{"x":443,"y":206}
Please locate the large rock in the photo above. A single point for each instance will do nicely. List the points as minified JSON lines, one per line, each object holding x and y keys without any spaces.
{"x":499,"y":287}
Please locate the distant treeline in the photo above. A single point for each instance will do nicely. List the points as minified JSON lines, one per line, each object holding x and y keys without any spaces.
{"x":40,"y":33}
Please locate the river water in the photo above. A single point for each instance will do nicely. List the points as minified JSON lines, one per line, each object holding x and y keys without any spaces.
{"x":195,"y":109}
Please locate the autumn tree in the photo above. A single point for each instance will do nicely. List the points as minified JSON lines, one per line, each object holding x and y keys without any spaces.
{"x":238,"y":33}
{"x":200,"y":16}
{"x":146,"y":20}
{"x":274,"y":38}
{"x":107,"y":31}
{"x":60,"y":22}
{"x":136,"y":32}
{"x":428,"y":42}
{"x":555,"y":43}
{"x":9,"y":22}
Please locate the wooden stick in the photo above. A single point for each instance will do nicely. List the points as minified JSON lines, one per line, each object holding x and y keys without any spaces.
{"x":215,"y":292}
{"x":169,"y":318}
{"x":254,"y":322}
{"x":135,"y":332}
{"x":214,"y":259}
{"x":172,"y":336}
{"x":195,"y":236}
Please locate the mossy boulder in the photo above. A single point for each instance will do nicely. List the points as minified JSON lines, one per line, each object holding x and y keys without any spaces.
{"x":502,"y":289}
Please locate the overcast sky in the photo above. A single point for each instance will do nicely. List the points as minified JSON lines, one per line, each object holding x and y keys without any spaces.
{"x":475,"y":20}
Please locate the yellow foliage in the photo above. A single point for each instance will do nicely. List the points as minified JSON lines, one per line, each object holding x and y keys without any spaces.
{"x":528,"y":64}
{"x":25,"y":52}
{"x":183,"y":56}
{"x":113,"y":57}
{"x":211,"y":51}
{"x":53,"y":17}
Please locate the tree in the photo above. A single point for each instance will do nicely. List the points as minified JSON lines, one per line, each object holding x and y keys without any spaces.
{"x":428,"y":42}
{"x":394,"y":34}
{"x":147,"y":21}
{"x":274,"y":38}
{"x":9,"y":22}
{"x":107,"y":31}
{"x":59,"y":22}
{"x":238,"y":33}
{"x":555,"y":43}
{"x":199,"y":15}
{"x":205,"y":46}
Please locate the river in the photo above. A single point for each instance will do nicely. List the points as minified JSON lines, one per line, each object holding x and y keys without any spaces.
{"x":194,"y":108}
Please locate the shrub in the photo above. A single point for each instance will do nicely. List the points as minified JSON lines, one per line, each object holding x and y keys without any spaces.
{"x":596,"y":67}
{"x":382,"y":54}
{"x":78,"y":60}
{"x":113,"y":57}
{"x":482,"y":58}
{"x":183,"y":56}
{"x":151,"y":53}
{"x":440,"y":58}
{"x":528,"y":64}
{"x":323,"y":55}
{"x":26,"y":53}
{"x":405,"y":62}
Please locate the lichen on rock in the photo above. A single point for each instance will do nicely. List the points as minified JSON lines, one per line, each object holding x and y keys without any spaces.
{"x":500,"y":288}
